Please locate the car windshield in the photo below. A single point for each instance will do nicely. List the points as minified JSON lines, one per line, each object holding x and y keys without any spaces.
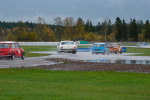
{"x":97,"y":45}
{"x":113,"y":45}
{"x":4,"y":45}
{"x":67,"y":43}
{"x":100,"y":45}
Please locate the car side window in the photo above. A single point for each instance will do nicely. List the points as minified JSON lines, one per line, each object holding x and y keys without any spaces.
{"x":12,"y":45}
{"x":16,"y":45}
{"x":4,"y":45}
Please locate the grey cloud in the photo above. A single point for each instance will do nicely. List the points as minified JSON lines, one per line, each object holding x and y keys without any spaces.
{"x":87,"y":9}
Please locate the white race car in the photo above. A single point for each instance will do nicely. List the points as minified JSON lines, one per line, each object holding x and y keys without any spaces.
{"x":67,"y":46}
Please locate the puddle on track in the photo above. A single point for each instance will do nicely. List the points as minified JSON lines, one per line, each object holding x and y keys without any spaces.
{"x":48,"y":63}
{"x":119,"y":61}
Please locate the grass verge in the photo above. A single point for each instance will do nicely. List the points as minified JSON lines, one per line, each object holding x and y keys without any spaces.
{"x":142,"y":51}
{"x":35,"y":84}
{"x":28,"y":49}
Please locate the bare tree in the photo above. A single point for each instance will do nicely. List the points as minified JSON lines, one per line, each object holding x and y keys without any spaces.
{"x":104,"y":29}
{"x":68,"y":31}
{"x":58,"y":21}
{"x":59,"y":27}
{"x":40,"y":23}
{"x":40,"y":20}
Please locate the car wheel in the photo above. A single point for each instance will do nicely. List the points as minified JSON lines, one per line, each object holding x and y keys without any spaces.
{"x":12,"y":56}
{"x":23,"y":55}
{"x":58,"y":51}
{"x":108,"y":53}
{"x":115,"y":52}
{"x":120,"y":52}
{"x":73,"y":52}
{"x":104,"y":53}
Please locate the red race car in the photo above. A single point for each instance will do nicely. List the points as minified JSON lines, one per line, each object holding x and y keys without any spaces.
{"x":11,"y":49}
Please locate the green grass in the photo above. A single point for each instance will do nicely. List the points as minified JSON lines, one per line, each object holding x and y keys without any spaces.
{"x":84,"y":46}
{"x":34,"y":84}
{"x":128,"y":44}
{"x":28,"y":49}
{"x":143,"y":51}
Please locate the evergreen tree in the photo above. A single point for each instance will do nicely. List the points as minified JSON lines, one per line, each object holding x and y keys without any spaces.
{"x":133,"y":30}
{"x":98,"y":28}
{"x":89,"y":26}
{"x":140,"y":26}
{"x":109,"y":31}
{"x":124,"y":31}
{"x":147,"y":30}
{"x":118,"y":33}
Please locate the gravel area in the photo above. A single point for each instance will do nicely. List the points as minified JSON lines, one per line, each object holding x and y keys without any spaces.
{"x":71,"y":65}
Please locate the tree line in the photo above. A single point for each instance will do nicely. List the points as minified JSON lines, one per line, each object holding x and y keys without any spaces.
{"x":69,"y":29}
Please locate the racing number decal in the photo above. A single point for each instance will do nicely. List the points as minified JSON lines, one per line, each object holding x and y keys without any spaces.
{"x":18,"y":51}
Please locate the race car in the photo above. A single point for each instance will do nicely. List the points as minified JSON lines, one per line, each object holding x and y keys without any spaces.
{"x":100,"y":48}
{"x":114,"y":48}
{"x":11,"y":49}
{"x":67,"y":46}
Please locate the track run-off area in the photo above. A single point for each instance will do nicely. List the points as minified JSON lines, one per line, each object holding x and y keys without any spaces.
{"x":124,"y":58}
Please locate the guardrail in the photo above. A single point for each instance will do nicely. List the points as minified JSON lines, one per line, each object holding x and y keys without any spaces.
{"x":89,"y":43}
{"x":38,"y":43}
{"x":42,"y":43}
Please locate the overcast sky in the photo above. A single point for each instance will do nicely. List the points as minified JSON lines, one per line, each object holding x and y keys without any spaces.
{"x":94,"y":10}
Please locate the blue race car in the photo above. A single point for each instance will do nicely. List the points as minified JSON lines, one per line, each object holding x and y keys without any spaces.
{"x":100,"y":48}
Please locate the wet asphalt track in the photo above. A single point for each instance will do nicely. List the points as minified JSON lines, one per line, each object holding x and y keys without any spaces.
{"x":86,"y":56}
